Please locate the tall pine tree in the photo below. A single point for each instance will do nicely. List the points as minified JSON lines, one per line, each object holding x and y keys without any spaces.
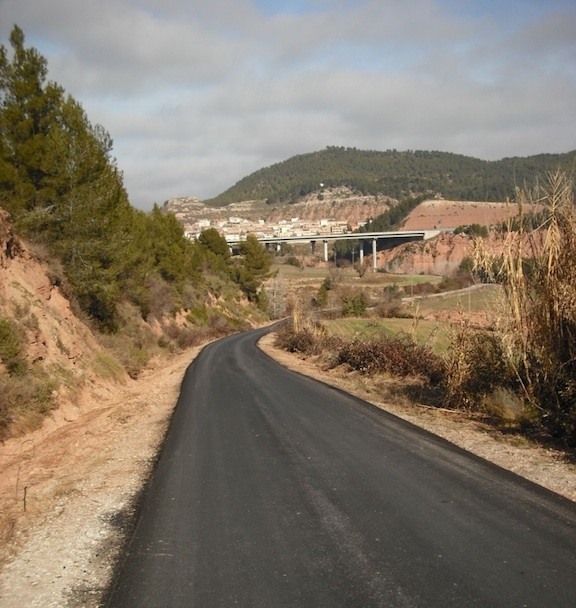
{"x":29,"y":107}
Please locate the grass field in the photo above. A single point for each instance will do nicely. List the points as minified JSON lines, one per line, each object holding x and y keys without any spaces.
{"x":479,"y":300}
{"x":435,"y":333}
{"x":315,"y":276}
{"x":436,"y":315}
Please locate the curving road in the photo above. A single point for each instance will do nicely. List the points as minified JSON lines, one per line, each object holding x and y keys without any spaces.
{"x":274,"y":490}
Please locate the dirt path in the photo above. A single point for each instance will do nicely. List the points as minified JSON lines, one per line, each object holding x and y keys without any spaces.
{"x":67,"y":491}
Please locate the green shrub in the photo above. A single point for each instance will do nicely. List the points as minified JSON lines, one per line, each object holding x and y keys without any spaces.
{"x":472,"y":230}
{"x":11,"y":347}
{"x":26,"y":399}
{"x":198,"y":315}
{"x":293,"y":261}
{"x":354,"y":303}
{"x":262,"y":300}
{"x":321,"y":299}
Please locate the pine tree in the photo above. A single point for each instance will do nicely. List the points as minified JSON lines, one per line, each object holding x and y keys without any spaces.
{"x":255,"y":267}
{"x":57,"y":178}
{"x":29,"y":107}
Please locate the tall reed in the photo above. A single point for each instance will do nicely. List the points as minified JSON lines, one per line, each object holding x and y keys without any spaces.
{"x":538,"y":328}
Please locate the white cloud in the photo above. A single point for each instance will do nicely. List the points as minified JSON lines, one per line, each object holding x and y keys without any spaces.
{"x":198,"y":94}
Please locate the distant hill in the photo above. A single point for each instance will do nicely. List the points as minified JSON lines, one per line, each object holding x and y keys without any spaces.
{"x":395,"y":174}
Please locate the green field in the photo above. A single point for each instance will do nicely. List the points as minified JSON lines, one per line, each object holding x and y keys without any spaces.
{"x":427,"y":315}
{"x":426,"y":333}
{"x":348,"y":276}
{"x":484,"y":299}
{"x":436,"y":334}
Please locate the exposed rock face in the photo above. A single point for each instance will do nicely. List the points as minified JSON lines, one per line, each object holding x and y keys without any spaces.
{"x":28,"y":294}
{"x":335,"y":203}
{"x":439,"y":256}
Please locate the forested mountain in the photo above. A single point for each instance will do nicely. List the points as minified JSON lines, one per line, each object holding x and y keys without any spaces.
{"x":395,"y":174}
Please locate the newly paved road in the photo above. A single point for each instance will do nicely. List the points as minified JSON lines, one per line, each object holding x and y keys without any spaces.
{"x":274,"y":490}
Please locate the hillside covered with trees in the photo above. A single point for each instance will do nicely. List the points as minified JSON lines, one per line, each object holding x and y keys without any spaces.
{"x":395,"y":174}
{"x":63,"y":190}
{"x":133,"y":277}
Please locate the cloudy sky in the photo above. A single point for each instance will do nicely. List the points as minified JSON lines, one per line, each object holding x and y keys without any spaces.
{"x":197,"y":94}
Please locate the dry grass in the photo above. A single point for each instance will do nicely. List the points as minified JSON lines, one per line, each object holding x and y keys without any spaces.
{"x":536,"y":329}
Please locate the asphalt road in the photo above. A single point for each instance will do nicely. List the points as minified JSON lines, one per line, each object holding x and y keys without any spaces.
{"x":275,"y":490}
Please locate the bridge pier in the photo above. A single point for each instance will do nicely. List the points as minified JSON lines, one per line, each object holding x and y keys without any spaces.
{"x":325,"y":250}
{"x":374,"y":258}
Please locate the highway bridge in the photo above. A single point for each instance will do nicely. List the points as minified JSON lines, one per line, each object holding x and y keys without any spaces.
{"x":392,"y":240}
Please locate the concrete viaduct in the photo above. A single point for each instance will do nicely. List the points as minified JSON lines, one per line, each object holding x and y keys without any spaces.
{"x":393,"y":239}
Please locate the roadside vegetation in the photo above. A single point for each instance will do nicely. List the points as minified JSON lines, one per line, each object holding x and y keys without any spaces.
{"x":517,"y":370}
{"x":132,"y":276}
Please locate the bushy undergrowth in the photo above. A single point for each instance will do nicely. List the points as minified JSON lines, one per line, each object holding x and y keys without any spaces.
{"x":11,"y":355}
{"x":307,"y":341}
{"x":390,"y":305}
{"x":137,"y":342}
{"x":354,"y":303}
{"x":476,"y":368}
{"x":24,"y":401}
{"x":399,"y":357}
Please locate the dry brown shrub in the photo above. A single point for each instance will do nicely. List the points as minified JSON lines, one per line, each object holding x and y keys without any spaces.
{"x":400,"y":357}
{"x":537,"y":328}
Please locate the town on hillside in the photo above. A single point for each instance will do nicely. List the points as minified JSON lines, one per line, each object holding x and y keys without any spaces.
{"x":236,"y":229}
{"x":237,"y":220}
{"x":235,"y":223}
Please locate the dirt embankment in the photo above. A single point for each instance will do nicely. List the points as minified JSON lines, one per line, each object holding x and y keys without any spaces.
{"x":67,"y":490}
{"x":443,"y":214}
{"x":55,"y":339}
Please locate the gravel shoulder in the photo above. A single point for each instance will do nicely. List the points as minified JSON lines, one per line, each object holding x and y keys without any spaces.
{"x":81,"y":475}
{"x":68,"y":490}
